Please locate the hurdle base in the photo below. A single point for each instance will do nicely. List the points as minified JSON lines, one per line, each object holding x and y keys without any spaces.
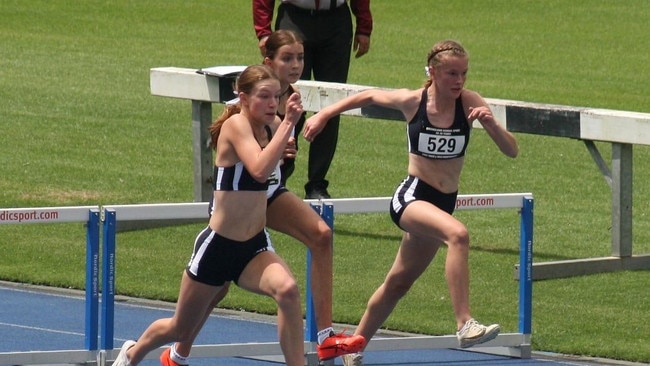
{"x":521,"y":351}
{"x":506,"y":344}
{"x":588,"y":266}
{"x":64,"y":357}
{"x":311,"y":359}
{"x":275,"y":358}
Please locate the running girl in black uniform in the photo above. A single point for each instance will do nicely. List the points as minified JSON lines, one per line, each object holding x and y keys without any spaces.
{"x":439,"y":119}
{"x":235,"y":246}
{"x":289,"y":214}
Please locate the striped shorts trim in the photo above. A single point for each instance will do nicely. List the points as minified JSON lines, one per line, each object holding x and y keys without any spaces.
{"x":413,"y":189}
{"x":217,"y":259}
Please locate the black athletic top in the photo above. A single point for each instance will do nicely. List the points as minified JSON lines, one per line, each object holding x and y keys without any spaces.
{"x":438,"y":143}
{"x":237,"y":178}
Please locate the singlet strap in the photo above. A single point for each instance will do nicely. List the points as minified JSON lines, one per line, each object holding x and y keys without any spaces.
{"x":460,"y":110}
{"x":423,"y":101}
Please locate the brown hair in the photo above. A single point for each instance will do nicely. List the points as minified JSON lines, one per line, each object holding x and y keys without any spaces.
{"x":245,"y":84}
{"x":443,"y":48}
{"x":278,"y":39}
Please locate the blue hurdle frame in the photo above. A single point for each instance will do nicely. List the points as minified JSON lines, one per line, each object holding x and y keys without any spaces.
{"x":326,"y":211}
{"x":92,"y":279}
{"x":108,"y":279}
{"x":526,"y":266}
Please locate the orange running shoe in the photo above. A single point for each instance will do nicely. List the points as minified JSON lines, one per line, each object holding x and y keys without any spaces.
{"x":340,"y":344}
{"x":166,"y":360}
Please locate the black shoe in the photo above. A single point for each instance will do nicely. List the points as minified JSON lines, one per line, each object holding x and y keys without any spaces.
{"x":317,"y":192}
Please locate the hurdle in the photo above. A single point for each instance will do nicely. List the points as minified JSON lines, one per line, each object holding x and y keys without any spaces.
{"x":90,"y":216}
{"x":510,"y":344}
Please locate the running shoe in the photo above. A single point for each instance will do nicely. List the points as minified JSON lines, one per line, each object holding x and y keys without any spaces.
{"x":340,"y":344}
{"x":473,"y":333}
{"x":121,"y":359}
{"x":352,"y":359}
{"x":166,"y":360}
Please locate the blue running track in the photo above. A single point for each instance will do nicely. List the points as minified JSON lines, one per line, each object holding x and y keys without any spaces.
{"x":33,"y":319}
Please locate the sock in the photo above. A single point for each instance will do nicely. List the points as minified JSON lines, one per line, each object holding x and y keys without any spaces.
{"x":323,"y":334}
{"x":176,"y":357}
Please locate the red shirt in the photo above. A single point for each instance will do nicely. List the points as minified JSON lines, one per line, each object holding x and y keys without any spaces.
{"x":263,"y":16}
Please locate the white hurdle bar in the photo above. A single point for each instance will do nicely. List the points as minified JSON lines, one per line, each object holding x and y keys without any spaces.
{"x":45,"y":215}
{"x":509,"y":344}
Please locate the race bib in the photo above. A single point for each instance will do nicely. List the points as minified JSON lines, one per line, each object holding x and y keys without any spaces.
{"x":441,"y":147}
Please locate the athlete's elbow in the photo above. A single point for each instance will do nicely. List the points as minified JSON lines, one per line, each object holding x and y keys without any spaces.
{"x":261,"y":175}
{"x":512,"y":152}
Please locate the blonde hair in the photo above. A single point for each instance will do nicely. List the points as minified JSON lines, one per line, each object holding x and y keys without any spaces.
{"x":443,"y":48}
{"x":246,"y":82}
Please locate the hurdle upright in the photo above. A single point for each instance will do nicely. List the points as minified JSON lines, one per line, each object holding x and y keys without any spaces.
{"x":90,"y":216}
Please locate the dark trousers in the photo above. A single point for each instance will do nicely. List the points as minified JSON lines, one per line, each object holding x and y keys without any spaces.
{"x":327,"y":37}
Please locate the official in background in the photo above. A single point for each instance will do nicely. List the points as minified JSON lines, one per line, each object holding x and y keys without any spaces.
{"x":326,"y":28}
